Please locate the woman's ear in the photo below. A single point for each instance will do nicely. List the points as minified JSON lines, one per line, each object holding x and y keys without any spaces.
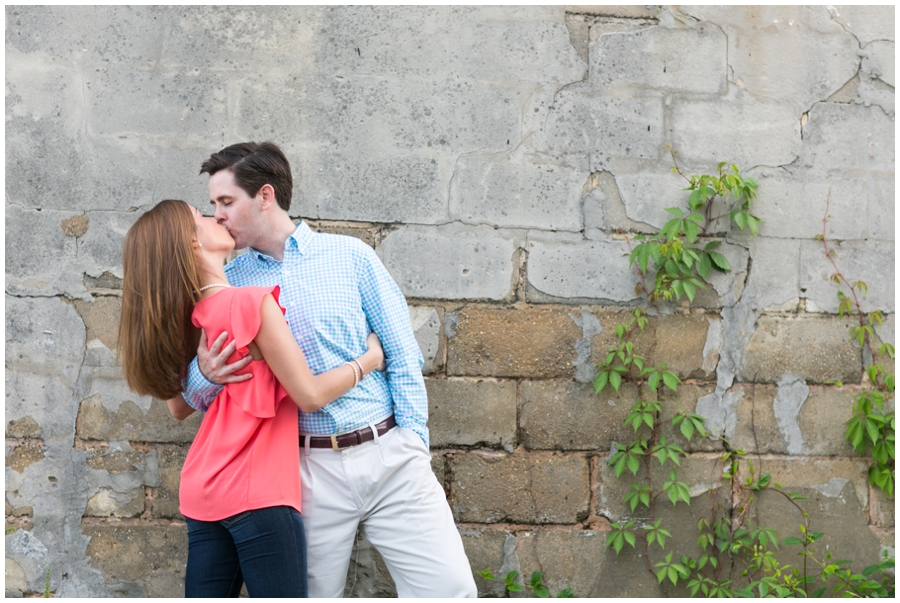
{"x":195,"y":243}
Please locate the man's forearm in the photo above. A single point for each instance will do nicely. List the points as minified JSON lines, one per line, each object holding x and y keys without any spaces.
{"x":198,"y":391}
{"x":408,"y":393}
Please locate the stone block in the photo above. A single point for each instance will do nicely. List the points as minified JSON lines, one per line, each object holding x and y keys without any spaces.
{"x":165,"y":497}
{"x":367,"y":233}
{"x":39,"y":255}
{"x":15,"y":579}
{"x":566,"y":558}
{"x":658,"y":58}
{"x":881,"y":209}
{"x":869,"y":261}
{"x":766,"y":424}
{"x":88,"y":34}
{"x":108,"y":502}
{"x":853,"y":139}
{"x":486,"y":549}
{"x":44,"y":352}
{"x":519,"y":488}
{"x":793,"y":205}
{"x":130,"y":422}
{"x":684,"y":401}
{"x":565,"y":415}
{"x":426,"y":325}
{"x":527,"y":341}
{"x":151,"y":556}
{"x":365,"y":115}
{"x":100,"y":248}
{"x":647,"y":194}
{"x":774,"y":281}
{"x":680,"y":341}
{"x":797,"y":54}
{"x":472,"y":43}
{"x":867,"y":23}
{"x":837,"y":503}
{"x":371,"y":187}
{"x":570,"y":268}
{"x":452,"y":262}
{"x":465,"y":412}
{"x":816,"y":349}
{"x":585,"y":123}
{"x":174,"y":102}
{"x":101,"y":319}
{"x":701,"y":472}
{"x":517,"y":193}
{"x":703,"y":130}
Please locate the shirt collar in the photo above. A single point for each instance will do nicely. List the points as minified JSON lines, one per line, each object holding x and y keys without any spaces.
{"x":299,"y":240}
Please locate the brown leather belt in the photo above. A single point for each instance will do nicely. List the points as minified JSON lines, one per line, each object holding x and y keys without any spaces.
{"x":352,"y":438}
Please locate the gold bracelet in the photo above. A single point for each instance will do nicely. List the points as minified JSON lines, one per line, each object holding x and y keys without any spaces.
{"x":361,"y":371}
{"x":355,"y":374}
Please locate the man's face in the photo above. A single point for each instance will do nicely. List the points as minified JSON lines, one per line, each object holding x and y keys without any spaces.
{"x":235,"y":209}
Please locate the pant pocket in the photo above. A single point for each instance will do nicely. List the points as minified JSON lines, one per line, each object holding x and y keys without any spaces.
{"x":230,"y":521}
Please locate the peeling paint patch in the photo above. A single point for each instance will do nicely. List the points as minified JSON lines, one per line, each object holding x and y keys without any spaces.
{"x":712,"y":346}
{"x":510,"y":559}
{"x":590,"y":326}
{"x":719,"y":412}
{"x":75,"y":226}
{"x":833,"y":487}
{"x":792,"y":393}
{"x":451,"y":323}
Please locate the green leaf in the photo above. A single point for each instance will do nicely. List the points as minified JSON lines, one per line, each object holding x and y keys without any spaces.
{"x":566,"y":593}
{"x":719,"y":261}
{"x":541,"y":592}
{"x":536,"y":579}
{"x":674,"y":211}
{"x":600,"y":381}
{"x":653,"y":380}
{"x":615,"y":379}
{"x":791,"y":540}
{"x":671,"y":380}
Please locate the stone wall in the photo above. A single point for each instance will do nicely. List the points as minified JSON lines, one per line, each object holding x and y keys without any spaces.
{"x":497,"y":159}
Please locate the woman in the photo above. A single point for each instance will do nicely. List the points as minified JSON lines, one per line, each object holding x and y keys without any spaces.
{"x":240,"y":484}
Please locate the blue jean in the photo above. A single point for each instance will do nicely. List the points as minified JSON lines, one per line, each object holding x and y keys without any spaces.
{"x":266,"y":548}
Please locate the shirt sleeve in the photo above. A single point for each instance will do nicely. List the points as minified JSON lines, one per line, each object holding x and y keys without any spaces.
{"x":388,"y":315}
{"x":198,"y":392}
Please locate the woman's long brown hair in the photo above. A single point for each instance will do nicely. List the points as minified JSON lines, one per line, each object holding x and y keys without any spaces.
{"x":161,"y":276}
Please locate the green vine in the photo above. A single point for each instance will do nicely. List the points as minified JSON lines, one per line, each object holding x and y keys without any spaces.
{"x":871,"y":429}
{"x":678,"y":259}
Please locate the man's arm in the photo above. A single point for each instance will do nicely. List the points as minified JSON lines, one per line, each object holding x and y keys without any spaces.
{"x":388,"y":315}
{"x":199,"y":392}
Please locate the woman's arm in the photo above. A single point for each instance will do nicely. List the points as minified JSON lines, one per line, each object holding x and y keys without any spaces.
{"x":180,"y":409}
{"x":310,"y":392}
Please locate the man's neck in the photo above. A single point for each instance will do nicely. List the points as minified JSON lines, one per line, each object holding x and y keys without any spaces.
{"x":273,"y":244}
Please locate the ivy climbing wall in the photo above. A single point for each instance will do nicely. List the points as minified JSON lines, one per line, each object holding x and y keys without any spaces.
{"x":500,"y":161}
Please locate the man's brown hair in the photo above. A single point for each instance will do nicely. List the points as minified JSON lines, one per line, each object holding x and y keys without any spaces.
{"x":254,"y":165}
{"x":160,"y":282}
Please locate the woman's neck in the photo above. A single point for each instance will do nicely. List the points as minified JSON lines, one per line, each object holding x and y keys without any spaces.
{"x":212,"y":273}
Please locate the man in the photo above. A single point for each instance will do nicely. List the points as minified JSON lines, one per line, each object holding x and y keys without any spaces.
{"x":357,"y":468}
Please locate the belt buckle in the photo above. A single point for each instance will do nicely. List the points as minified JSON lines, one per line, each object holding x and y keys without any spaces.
{"x":334,"y":444}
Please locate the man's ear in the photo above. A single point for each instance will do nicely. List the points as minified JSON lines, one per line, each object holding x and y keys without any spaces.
{"x":266,"y":197}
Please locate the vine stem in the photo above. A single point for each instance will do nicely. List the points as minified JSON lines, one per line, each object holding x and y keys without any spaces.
{"x":841,"y":277}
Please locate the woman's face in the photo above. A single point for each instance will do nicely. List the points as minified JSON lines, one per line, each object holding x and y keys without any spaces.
{"x":211,"y":235}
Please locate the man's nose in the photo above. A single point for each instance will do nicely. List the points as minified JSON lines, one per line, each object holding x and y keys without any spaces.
{"x":219,"y":215}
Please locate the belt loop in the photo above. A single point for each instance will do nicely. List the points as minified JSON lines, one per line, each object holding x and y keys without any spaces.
{"x":374,"y":431}
{"x":306,"y":441}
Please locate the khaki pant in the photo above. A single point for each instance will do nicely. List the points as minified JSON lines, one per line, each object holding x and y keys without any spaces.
{"x":387,"y":488}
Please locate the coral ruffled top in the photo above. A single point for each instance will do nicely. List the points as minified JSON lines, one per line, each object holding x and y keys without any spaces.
{"x":245,"y":455}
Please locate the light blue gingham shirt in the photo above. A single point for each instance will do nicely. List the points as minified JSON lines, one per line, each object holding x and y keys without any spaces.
{"x":335,"y":291}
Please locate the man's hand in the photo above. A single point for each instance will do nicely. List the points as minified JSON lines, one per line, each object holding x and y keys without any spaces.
{"x":212,"y":361}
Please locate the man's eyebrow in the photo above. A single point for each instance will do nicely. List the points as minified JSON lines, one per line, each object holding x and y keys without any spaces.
{"x":220,"y":198}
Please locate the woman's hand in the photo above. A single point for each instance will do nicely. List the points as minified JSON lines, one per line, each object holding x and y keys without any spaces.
{"x":374,"y":355}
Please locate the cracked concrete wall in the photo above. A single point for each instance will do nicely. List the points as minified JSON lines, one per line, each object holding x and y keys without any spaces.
{"x":498,"y":159}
